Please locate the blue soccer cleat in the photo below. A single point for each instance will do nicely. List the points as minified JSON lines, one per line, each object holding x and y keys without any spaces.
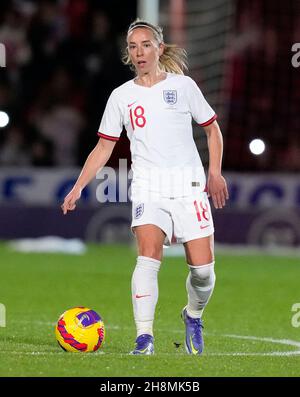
{"x":193,"y":333}
{"x":144,"y":345}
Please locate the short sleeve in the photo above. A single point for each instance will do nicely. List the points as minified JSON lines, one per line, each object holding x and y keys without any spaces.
{"x":201,"y":111}
{"x":111,"y":124}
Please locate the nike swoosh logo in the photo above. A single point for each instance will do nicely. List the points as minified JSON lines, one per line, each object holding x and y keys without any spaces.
{"x":141,"y":296}
{"x":194,"y":351}
{"x":204,"y":227}
{"x":131,"y":104}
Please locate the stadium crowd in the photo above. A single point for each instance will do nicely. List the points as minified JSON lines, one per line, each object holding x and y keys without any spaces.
{"x":60,"y":59}
{"x":64,"y":59}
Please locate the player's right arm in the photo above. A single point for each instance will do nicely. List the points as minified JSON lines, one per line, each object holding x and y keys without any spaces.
{"x":94,"y":162}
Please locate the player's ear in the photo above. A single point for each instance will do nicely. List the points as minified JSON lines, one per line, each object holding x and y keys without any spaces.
{"x":161,"y":48}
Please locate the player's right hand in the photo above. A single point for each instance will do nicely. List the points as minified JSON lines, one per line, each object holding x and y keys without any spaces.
{"x":70,"y":200}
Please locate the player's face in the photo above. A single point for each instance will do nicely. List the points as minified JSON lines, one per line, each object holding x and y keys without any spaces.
{"x":144,"y":50}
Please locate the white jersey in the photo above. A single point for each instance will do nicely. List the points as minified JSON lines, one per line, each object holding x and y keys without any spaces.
{"x":158,"y":121}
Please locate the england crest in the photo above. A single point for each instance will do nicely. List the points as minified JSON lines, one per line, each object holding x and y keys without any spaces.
{"x":139,"y":210}
{"x":170,"y":96}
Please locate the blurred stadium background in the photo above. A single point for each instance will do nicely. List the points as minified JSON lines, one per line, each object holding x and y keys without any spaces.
{"x":62,"y":62}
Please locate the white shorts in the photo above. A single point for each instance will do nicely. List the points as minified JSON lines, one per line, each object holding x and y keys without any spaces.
{"x":182,"y":219}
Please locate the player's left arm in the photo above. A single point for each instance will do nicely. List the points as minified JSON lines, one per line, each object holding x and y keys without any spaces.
{"x":216,"y":183}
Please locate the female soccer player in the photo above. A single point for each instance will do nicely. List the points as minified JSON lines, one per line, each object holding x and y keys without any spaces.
{"x":169,"y":190}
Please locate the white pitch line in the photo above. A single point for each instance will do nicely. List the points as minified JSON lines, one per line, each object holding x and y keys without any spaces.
{"x":280,"y":354}
{"x":288,"y":342}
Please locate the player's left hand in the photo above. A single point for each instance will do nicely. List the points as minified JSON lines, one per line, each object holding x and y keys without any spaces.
{"x":217,"y":190}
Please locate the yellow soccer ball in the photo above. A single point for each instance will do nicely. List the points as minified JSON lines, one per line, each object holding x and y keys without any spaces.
{"x":80,"y":329}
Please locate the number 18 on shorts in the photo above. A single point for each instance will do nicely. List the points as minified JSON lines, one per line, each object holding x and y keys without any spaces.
{"x":186,"y":218}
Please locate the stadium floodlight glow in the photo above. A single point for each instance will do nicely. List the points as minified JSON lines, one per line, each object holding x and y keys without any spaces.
{"x":4,"y":119}
{"x":257,"y":146}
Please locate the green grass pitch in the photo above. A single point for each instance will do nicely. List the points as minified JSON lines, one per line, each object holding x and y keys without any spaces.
{"x":248,"y":329}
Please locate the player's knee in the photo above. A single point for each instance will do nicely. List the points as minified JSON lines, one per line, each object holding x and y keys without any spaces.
{"x":199,"y":258}
{"x":203,"y":275}
{"x":151,"y":251}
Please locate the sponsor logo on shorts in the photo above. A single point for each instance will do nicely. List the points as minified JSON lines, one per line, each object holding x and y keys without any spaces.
{"x":170,"y":96}
{"x":139,"y":210}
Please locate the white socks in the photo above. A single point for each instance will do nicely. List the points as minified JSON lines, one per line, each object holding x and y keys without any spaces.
{"x":144,"y":286}
{"x":199,"y":285}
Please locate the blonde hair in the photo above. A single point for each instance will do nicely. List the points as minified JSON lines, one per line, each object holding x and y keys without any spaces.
{"x":173,"y":59}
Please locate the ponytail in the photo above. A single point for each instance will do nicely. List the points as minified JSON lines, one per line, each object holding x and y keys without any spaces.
{"x":173,"y":59}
